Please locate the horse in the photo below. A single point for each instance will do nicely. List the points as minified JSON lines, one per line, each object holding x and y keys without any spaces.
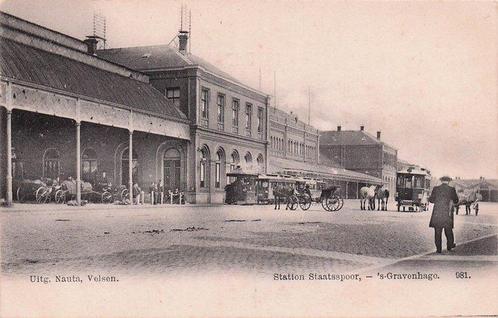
{"x":282,"y":193}
{"x":382,"y":195}
{"x":469,"y":198}
{"x":367,"y":193}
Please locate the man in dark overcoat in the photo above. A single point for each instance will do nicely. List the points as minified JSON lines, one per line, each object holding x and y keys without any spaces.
{"x":443,"y":197}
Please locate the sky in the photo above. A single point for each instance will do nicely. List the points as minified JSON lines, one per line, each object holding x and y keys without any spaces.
{"x":423,"y":73}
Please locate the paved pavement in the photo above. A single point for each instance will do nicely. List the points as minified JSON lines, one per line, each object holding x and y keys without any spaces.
{"x":171,"y":240}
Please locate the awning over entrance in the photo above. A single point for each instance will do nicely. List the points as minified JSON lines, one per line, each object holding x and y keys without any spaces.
{"x":278,"y":165}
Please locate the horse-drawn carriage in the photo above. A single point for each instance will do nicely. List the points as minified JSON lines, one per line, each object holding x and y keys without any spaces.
{"x":103,"y":193}
{"x":49,"y":190}
{"x":412,"y":189}
{"x":292,"y":191}
{"x":301,"y":195}
{"x":29,"y":190}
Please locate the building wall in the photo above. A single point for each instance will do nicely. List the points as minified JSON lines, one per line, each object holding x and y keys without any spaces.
{"x":226,"y":145}
{"x":210,"y":134}
{"x":290,"y":138}
{"x":3,"y":153}
{"x":375,"y":160}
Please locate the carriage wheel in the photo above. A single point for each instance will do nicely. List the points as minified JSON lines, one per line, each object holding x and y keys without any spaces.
{"x":305,"y":202}
{"x":41,"y":195}
{"x":124,"y":194}
{"x":341,"y":202}
{"x":293,"y":202}
{"x":324,"y":204}
{"x":333,"y":203}
{"x":20,"y":195}
{"x":106,"y":197}
{"x":60,"y":196}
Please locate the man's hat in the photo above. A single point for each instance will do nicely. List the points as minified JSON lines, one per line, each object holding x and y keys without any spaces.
{"x":445,"y":179}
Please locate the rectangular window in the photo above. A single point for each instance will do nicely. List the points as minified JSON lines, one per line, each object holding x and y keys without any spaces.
{"x":221,"y":108}
{"x":248,"y":116}
{"x":235,"y":112}
{"x":204,"y":103}
{"x":203,"y":174}
{"x":260,"y":120}
{"x":173,"y":94}
{"x":218,"y":175}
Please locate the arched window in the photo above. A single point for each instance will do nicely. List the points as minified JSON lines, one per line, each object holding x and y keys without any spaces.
{"x":248,"y":158}
{"x":219,"y":167}
{"x":171,"y":169}
{"x":204,"y":180}
{"x":89,"y":165}
{"x":234,"y":162}
{"x":260,"y":160}
{"x":125,"y":167}
{"x":51,"y":163}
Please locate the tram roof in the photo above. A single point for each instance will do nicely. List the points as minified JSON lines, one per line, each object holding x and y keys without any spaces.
{"x":416,"y":171}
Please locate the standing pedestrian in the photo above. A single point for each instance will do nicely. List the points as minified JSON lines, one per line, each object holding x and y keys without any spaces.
{"x":136,"y":193}
{"x":443,"y":197}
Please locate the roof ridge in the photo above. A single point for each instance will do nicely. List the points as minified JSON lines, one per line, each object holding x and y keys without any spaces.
{"x":134,"y":47}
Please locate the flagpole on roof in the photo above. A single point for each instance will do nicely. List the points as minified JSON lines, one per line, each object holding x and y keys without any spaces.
{"x":275,"y":87}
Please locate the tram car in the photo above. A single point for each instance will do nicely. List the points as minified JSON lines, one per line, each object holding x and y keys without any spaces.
{"x":243,"y":189}
{"x":412,"y":189}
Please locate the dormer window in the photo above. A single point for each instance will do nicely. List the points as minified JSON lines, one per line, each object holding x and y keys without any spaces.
{"x":173,"y":94}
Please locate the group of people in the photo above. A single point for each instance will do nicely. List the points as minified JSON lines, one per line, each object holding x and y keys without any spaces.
{"x":158,"y":194}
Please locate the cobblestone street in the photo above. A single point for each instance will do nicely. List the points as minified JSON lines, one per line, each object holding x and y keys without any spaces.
{"x":251,"y":239}
{"x":222,"y":261}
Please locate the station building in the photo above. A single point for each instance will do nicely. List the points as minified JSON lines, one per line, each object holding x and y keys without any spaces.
{"x":359,"y":151}
{"x":139,"y":114}
{"x":228,"y":119}
{"x":67,"y":113}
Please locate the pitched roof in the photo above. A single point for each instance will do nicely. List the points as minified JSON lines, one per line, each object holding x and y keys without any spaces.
{"x":32,"y":65}
{"x":472,"y":183}
{"x":158,"y":57}
{"x":347,"y":137}
{"x":277,"y":165}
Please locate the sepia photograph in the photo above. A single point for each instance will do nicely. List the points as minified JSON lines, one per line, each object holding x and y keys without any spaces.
{"x":216,"y":158}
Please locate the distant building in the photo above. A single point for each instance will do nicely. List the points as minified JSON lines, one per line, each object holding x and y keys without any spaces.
{"x":294,"y":150}
{"x":291,"y":138}
{"x":488,"y":188}
{"x":359,"y":151}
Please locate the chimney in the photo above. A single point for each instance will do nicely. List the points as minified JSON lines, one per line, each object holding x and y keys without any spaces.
{"x":91,"y":44}
{"x":339,"y":128}
{"x":378,"y":135}
{"x":362,"y":128}
{"x":183,"y":41}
